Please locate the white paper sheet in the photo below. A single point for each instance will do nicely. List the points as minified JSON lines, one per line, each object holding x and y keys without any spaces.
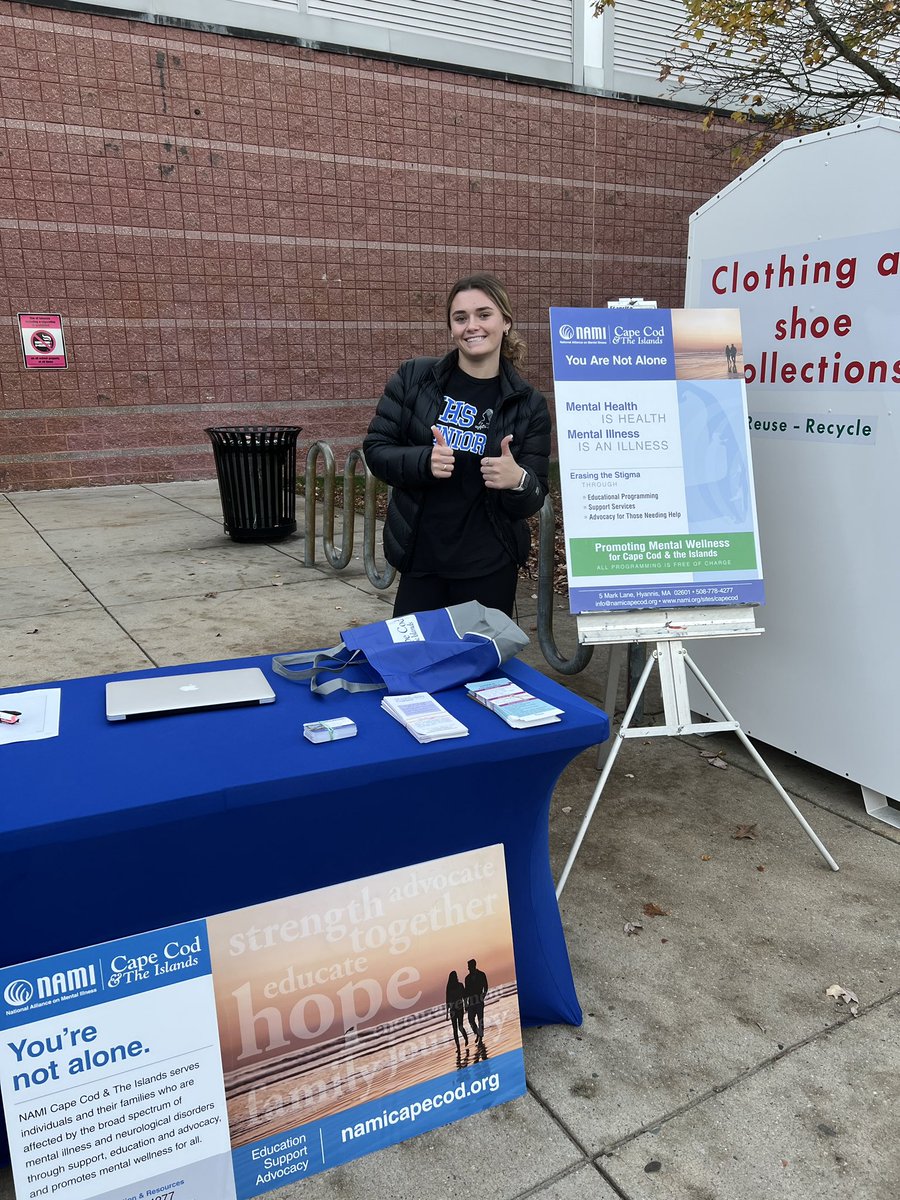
{"x":39,"y":719}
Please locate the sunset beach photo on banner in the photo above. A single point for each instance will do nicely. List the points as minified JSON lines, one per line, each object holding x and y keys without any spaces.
{"x":707,"y":343}
{"x":343,"y":996}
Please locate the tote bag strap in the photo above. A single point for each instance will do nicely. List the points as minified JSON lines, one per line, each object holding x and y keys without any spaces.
{"x":313,"y":663}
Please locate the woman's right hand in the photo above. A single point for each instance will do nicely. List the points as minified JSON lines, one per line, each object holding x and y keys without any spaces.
{"x":441,"y":456}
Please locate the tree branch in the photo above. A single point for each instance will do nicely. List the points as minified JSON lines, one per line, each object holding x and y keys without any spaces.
{"x":886,"y":85}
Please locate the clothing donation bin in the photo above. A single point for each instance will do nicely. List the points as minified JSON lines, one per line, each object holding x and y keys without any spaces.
{"x":257,"y":470}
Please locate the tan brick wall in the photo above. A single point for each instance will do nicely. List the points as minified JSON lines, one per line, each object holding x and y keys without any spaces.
{"x":237,"y":231}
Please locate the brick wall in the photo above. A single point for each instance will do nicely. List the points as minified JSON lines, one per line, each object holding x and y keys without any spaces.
{"x":237,"y":231}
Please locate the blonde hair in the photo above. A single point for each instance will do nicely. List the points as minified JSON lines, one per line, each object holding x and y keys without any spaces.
{"x":512,"y":347}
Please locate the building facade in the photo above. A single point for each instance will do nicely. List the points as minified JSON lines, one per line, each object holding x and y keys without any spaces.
{"x":255,"y":219}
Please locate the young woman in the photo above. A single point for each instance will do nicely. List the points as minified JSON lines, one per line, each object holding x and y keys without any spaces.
{"x":464,"y":441}
{"x":456,"y":1008}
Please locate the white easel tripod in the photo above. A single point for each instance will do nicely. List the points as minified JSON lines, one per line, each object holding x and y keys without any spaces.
{"x":669,"y":630}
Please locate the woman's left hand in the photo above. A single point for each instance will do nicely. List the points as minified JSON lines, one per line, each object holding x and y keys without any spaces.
{"x":503,"y":471}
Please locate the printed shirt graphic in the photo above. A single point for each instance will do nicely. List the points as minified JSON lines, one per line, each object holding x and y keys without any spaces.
{"x":456,"y":538}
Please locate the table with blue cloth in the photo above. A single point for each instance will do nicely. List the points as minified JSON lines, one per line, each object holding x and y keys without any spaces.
{"x":114,"y":828}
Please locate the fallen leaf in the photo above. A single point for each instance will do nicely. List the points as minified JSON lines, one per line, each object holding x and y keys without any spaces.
{"x":210,"y":595}
{"x":567,"y":808}
{"x":653,"y":910}
{"x":631,"y":927}
{"x":712,"y":754}
{"x":705,"y":857}
{"x":744,"y":831}
{"x":760,"y":867}
{"x":627,"y":776}
{"x":717,"y":762}
{"x":849,"y":998}
{"x":30,"y":631}
{"x":663,"y":941}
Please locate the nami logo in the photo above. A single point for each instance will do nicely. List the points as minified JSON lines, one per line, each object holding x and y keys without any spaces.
{"x":18,"y":992}
{"x":584,"y":333}
{"x":58,"y":986}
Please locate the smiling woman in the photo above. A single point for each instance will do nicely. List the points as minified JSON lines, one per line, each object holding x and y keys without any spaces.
{"x":464,"y":442}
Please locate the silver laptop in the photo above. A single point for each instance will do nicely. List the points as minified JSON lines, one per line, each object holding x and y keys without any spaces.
{"x":162,"y":695}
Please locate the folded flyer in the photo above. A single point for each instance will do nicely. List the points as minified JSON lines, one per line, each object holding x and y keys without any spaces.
{"x":518,"y":708}
{"x":424,"y":717}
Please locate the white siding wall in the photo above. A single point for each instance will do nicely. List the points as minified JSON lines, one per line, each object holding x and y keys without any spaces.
{"x":557,"y":40}
{"x":531,"y":38}
{"x":539,"y":27}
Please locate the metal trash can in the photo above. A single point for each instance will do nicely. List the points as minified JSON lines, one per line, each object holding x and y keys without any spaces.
{"x":257,"y":470}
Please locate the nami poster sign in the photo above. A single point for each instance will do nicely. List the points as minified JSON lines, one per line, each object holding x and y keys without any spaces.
{"x":244,"y":1052}
{"x":655,"y":472}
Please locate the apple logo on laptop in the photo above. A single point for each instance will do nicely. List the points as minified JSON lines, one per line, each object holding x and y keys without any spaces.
{"x":189,"y":687}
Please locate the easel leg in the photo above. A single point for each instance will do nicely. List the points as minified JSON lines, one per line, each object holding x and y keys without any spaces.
{"x":757,"y":758}
{"x":607,"y":767}
{"x":617,"y":655}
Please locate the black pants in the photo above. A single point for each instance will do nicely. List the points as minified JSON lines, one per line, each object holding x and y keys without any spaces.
{"x":419,"y":593}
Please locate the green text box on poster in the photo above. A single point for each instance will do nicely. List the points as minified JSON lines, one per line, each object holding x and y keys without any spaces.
{"x":674,"y":554}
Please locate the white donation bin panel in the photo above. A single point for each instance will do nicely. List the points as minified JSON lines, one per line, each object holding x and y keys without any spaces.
{"x":807,"y":245}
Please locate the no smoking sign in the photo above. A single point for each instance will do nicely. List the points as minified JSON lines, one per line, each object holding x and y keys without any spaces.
{"x":42,"y":340}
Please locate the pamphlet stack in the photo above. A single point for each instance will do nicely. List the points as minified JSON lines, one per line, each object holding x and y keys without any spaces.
{"x":518,"y":708}
{"x":425,"y":719}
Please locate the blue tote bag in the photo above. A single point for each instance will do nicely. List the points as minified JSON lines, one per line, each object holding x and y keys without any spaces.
{"x":422,"y":652}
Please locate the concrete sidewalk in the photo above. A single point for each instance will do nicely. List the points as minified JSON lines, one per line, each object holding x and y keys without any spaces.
{"x":711,"y":1064}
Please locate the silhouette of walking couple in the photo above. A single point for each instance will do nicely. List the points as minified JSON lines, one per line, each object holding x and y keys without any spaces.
{"x":467,"y":999}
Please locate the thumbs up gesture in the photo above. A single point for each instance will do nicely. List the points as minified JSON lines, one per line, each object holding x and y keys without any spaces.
{"x":441,"y":455}
{"x":502,"y":471}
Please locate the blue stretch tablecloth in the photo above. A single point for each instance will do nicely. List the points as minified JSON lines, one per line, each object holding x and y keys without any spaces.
{"x":114,"y":828}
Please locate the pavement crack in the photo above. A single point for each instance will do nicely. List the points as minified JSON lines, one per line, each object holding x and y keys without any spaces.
{"x":719,"y":1089}
{"x":539,"y":1189}
{"x":557,"y":1120}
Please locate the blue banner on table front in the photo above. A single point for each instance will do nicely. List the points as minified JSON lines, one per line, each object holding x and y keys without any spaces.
{"x":309,"y":1149}
{"x":655,"y":472}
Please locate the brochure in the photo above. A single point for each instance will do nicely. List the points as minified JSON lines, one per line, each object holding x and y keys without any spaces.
{"x":424,"y":717}
{"x":518,"y":708}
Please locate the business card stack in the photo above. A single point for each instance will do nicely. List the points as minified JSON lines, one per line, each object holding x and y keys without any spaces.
{"x":425,"y":719}
{"x":518,"y":708}
{"x":332,"y":730}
